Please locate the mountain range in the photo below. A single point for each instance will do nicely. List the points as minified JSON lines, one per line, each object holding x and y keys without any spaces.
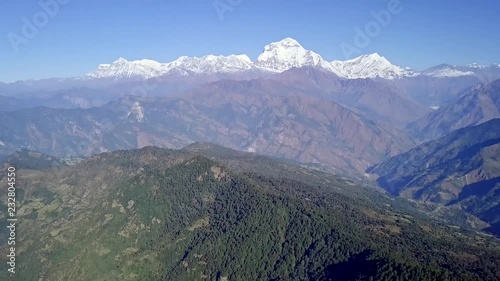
{"x":289,"y":103}
{"x":399,"y":91}
{"x":278,"y":57}
{"x":244,"y":115}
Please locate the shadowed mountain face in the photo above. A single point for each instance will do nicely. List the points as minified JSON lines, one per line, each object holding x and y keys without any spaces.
{"x":462,"y":169}
{"x":240,"y":115}
{"x":206,"y":212}
{"x":477,"y":105}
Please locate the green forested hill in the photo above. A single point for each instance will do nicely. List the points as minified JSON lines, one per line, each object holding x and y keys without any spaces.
{"x":155,"y":214}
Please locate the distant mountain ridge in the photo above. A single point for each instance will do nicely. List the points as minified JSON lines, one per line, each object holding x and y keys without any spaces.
{"x":478,"y":103}
{"x":409,"y":94}
{"x":146,"y":69}
{"x":473,"y":69}
{"x":276,"y":57}
{"x":244,"y":115}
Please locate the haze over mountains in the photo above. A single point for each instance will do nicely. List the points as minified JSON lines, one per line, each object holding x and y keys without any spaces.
{"x":230,"y":113}
{"x":437,"y":86}
{"x":368,"y":108}
{"x":477,"y":104}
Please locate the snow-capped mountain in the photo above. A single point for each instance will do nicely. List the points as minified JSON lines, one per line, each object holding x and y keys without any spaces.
{"x":145,"y":69}
{"x":446,"y":70}
{"x":276,"y":57}
{"x":476,"y":65}
{"x":371,"y":66}
{"x":480,"y":66}
{"x":123,"y":68}
{"x":281,"y":56}
{"x":288,"y":53}
{"x":485,"y":73}
{"x":212,"y":64}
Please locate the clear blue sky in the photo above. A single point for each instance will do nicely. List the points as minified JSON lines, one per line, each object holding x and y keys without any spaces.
{"x":85,"y":33}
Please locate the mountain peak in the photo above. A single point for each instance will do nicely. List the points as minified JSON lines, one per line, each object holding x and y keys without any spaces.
{"x":284,"y":44}
{"x":287,"y":42}
{"x":482,"y":66}
{"x":446,"y":70}
{"x":476,"y":65}
{"x":122,"y":68}
{"x":374,"y":56}
{"x":372,"y":66}
{"x":243,"y":57}
{"x":286,"y":54}
{"x":120,"y":60}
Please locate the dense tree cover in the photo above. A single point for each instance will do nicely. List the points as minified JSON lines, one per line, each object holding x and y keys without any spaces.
{"x":166,"y":215}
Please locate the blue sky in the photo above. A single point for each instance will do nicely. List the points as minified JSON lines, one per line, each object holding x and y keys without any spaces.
{"x":85,"y":33}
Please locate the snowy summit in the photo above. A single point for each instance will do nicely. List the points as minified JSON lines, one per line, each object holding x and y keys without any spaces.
{"x":275,"y":58}
{"x":288,"y":53}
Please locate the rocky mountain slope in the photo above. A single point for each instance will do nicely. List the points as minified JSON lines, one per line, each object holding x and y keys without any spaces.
{"x":462,"y":169}
{"x":369,"y":98}
{"x":154,"y":214}
{"x":478,"y":104}
{"x":241,"y":115}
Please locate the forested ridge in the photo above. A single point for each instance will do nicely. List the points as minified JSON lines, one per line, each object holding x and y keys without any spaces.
{"x":155,"y":214}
